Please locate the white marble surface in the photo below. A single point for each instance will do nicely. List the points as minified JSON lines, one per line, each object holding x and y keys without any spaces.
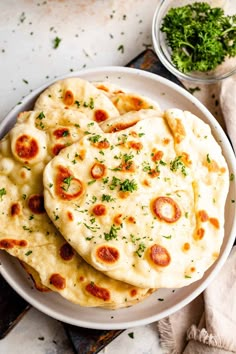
{"x":93,"y":33}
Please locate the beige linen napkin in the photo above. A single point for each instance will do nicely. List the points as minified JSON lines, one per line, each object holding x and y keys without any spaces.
{"x":207,"y":324}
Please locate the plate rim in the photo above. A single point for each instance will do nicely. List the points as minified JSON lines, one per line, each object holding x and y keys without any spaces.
{"x":219,"y":263}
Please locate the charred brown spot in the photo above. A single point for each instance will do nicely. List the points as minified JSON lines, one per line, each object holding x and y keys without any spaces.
{"x":159,"y":255}
{"x":99,"y":210}
{"x":82,"y":154}
{"x":215,"y":255}
{"x":186,"y":159}
{"x":117,"y":219}
{"x":81,"y":278}
{"x":134,"y":134}
{"x":179,"y":131}
{"x":58,"y":281}
{"x":133,"y":292}
{"x":26,"y":147}
{"x":146,"y":183}
{"x":123,"y":195}
{"x":192,"y":269}
{"x":153,"y":173}
{"x":121,"y":126}
{"x":67,"y":187}
{"x":98,"y":170}
{"x":61,"y":133}
{"x":128,"y":166}
{"x":66,"y":252}
{"x":135,"y":145}
{"x":199,"y":234}
{"x":100,"y":115}
{"x":131,"y":220}
{"x":107,"y":254}
{"x":137,"y":103}
{"x":70,"y":216}
{"x":15,"y":209}
{"x":100,"y":293}
{"x":36,"y":204}
{"x":222,"y":169}
{"x":23,"y":174}
{"x":157,"y":155}
{"x":186,"y":246}
{"x":215,"y":222}
{"x":57,"y":148}
{"x":166,"y":141}
{"x":68,"y":98}
{"x":104,"y":144}
{"x":103,"y":88}
{"x":203,"y":216}
{"x":8,"y":243}
{"x":159,"y":205}
{"x":212,"y":166}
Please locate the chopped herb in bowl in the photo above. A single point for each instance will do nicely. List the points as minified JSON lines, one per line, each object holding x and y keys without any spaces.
{"x":200,"y":36}
{"x":196,"y":40}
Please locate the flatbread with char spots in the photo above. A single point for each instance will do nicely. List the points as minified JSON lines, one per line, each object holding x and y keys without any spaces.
{"x":126,"y":101}
{"x":148,"y":206}
{"x":78,"y":95}
{"x":27,"y":232}
{"x":128,"y":120}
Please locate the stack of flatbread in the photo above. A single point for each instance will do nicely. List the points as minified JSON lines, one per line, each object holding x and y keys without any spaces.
{"x":104,"y":198}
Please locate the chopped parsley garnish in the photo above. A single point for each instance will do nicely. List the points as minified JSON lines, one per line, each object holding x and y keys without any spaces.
{"x":26,"y":228}
{"x":200,"y":36}
{"x":208,"y":158}
{"x":107,"y":198}
{"x":2,"y":192}
{"x":65,"y":133}
{"x":231,"y":177}
{"x":128,"y":157}
{"x":140,"y":250}
{"x":131,"y":335}
{"x":41,"y":115}
{"x":28,"y":253}
{"x":91,"y":228}
{"x":168,"y":237}
{"x":114,"y":183}
{"x":92,"y":182}
{"x":121,"y":48}
{"x":128,"y":185}
{"x":177,"y":164}
{"x":95,"y":138}
{"x":105,"y":180}
{"x":78,"y":105}
{"x":56,"y":42}
{"x":146,"y":166}
{"x":67,"y":181}
{"x":112,"y":233}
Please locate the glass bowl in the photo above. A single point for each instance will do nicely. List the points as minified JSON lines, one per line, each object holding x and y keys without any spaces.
{"x":163,"y":51}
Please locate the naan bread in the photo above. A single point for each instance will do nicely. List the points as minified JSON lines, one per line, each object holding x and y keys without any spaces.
{"x":78,"y":95}
{"x":126,"y":101}
{"x":146,"y":204}
{"x":27,"y":232}
{"x":127,"y":120}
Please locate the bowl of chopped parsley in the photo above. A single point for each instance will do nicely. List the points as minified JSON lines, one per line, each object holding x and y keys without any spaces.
{"x":196,"y":40}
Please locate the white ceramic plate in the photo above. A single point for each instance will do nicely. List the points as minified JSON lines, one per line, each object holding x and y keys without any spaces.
{"x":168,"y":95}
